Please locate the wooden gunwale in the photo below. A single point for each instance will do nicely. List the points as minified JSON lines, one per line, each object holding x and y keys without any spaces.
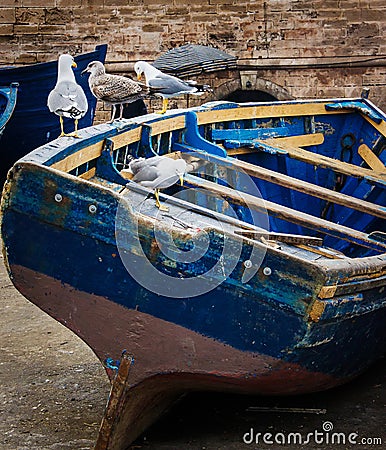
{"x":381,"y":127}
{"x":203,"y":117}
{"x":86,"y":154}
{"x":178,"y":122}
{"x":264,"y":111}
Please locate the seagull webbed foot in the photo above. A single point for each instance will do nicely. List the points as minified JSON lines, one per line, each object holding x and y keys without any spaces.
{"x":163,"y":208}
{"x":158,"y":203}
{"x":165,"y":104}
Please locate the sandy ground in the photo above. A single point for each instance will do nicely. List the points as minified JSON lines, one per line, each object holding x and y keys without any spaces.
{"x":53,"y":388}
{"x":53,"y":393}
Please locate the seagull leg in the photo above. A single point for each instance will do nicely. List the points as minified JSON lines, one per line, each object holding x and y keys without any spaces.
{"x":165,"y":103}
{"x":113,"y":109}
{"x":157,"y":202}
{"x":120,"y":111}
{"x":75,"y":133}
{"x":61,"y":127}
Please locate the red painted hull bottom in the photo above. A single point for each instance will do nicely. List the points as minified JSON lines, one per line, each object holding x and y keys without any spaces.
{"x":169,"y":360}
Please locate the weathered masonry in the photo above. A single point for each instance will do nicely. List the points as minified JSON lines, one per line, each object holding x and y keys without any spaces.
{"x":285,"y":49}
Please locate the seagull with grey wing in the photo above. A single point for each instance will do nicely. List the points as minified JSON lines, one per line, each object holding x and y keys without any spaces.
{"x":167,"y":86}
{"x":158,"y":172}
{"x":67,"y":99}
{"x":113,"y":89}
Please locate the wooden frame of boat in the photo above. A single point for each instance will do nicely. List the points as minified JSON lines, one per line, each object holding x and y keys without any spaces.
{"x":291,"y":146}
{"x":99,"y":157}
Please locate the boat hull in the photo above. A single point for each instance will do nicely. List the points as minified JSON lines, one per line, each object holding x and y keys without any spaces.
{"x":285,"y":314}
{"x":8,"y":98}
{"x":182,"y":354}
{"x":271,"y":319}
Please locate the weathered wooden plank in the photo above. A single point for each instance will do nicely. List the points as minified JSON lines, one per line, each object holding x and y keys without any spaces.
{"x":310,"y":189}
{"x":240,"y":151}
{"x":156,"y":128}
{"x":381,"y":127}
{"x":371,"y":158}
{"x":288,"y":214}
{"x":89,"y":174}
{"x":264,"y":111}
{"x":325,"y":161}
{"x":282,"y":237}
{"x":80,"y":157}
{"x":302,"y":140}
{"x":224,"y":134}
{"x":126,"y":138}
{"x":117,"y":392}
{"x":163,"y":126}
{"x":327,"y":253}
{"x":127,"y":174}
{"x":298,"y":185}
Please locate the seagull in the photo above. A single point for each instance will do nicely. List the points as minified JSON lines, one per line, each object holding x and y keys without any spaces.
{"x":158,"y":172}
{"x":167,"y":86}
{"x":113,"y":89}
{"x":67,"y":99}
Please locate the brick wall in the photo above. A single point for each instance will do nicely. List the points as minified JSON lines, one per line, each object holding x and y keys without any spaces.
{"x":298,"y":48}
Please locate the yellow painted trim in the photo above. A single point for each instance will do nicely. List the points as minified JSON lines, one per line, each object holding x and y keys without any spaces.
{"x":317,"y":310}
{"x":163,"y":126}
{"x":81,"y":157}
{"x":126,"y":138}
{"x":89,"y":174}
{"x":371,"y":158}
{"x":264,"y":111}
{"x":325,"y":161}
{"x":327,"y":291}
{"x":381,"y":127}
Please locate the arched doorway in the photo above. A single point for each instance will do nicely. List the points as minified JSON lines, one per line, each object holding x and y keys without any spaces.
{"x":247,"y":87}
{"x":244,"y":96}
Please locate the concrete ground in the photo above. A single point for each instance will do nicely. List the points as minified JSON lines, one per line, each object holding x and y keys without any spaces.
{"x":53,"y":393}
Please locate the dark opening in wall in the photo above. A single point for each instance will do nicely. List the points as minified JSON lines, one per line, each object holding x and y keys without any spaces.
{"x":242,"y":96}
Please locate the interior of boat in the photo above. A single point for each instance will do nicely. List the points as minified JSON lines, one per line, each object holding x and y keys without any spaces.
{"x":317,"y":170}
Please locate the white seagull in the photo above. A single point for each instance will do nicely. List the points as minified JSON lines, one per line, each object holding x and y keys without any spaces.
{"x":113,"y":89}
{"x":158,"y":172}
{"x":67,"y":99}
{"x":167,"y":86}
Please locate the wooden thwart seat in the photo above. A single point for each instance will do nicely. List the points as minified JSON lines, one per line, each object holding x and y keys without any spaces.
{"x":371,"y":158}
{"x":301,"y":140}
{"x":294,"y":183}
{"x":274,"y":144}
{"x":310,"y":189}
{"x":288,"y":214}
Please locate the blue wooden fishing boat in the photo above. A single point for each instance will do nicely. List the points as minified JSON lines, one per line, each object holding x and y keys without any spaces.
{"x":8,"y":97}
{"x":32,"y":124}
{"x":266,"y":274}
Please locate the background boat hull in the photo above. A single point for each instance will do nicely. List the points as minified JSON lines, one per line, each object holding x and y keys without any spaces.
{"x":32,"y":124}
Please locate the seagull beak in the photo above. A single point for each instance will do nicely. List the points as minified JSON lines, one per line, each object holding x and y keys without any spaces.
{"x":139,"y":76}
{"x":84,"y":72}
{"x":182,"y":180}
{"x":74,"y":64}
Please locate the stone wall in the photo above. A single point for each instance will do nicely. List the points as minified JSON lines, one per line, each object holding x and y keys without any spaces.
{"x":294,"y":48}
